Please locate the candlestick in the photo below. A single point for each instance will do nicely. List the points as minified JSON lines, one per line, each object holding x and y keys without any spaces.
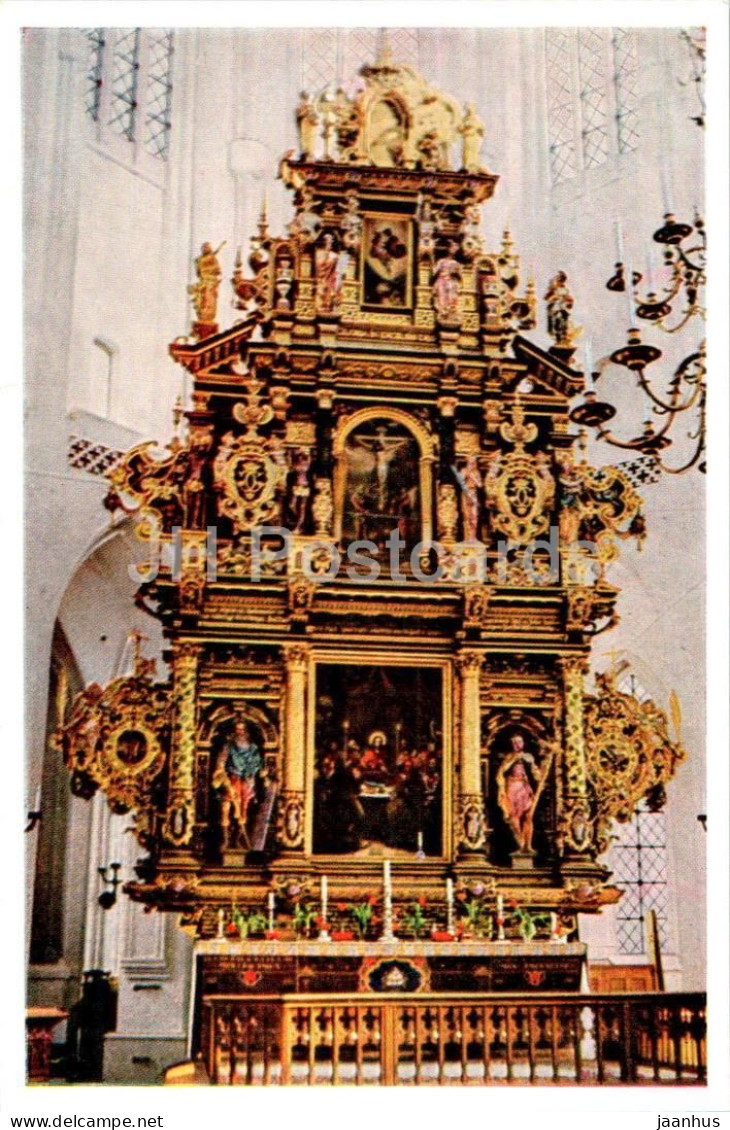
{"x":450,"y":906}
{"x":323,"y":933}
{"x":221,"y":922}
{"x":387,"y":934}
{"x":500,"y":918}
{"x":554,"y":936}
{"x":271,"y":900}
{"x":420,"y":853}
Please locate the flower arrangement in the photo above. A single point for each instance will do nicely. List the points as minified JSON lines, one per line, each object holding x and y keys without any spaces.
{"x":474,"y":914}
{"x":362,"y":913}
{"x":527,"y":923}
{"x":413,"y":916}
{"x":304,"y":918}
{"x":245,"y":923}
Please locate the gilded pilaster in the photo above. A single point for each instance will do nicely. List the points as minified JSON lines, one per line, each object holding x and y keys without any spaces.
{"x":180,"y":815}
{"x":575,"y":817}
{"x":291,"y":823}
{"x":471,"y":826}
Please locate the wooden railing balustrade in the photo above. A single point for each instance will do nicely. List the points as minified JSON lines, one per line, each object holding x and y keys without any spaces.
{"x":438,"y":1038}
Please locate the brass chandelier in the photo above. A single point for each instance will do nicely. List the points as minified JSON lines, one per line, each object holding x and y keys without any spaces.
{"x":673,"y":307}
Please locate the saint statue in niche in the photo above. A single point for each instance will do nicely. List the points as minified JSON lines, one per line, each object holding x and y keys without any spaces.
{"x":520,"y":782}
{"x":386,"y":261}
{"x":447,"y":284}
{"x":237,"y":777}
{"x":381,"y":491}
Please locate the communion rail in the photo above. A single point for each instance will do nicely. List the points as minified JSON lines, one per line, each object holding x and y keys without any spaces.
{"x":456,"y":1039}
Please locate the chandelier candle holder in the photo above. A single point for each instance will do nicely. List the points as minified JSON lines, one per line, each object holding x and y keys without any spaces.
{"x":669,"y":308}
{"x":387,"y":934}
{"x":221,"y":923}
{"x":271,"y":905}
{"x":324,"y":935}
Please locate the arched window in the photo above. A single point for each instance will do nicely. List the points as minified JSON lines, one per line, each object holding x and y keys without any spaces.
{"x":592,"y":97}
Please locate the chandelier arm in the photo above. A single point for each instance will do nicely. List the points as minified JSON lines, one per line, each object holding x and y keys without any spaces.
{"x":684,"y":256}
{"x":692,"y":312}
{"x":685,"y":466}
{"x":672,"y":407}
{"x":630,"y":445}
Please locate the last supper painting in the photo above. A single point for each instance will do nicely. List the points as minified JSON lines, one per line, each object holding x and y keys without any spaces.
{"x":365,"y":665}
{"x":379,"y":761}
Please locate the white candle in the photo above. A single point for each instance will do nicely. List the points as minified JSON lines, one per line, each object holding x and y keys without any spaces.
{"x":420,"y":841}
{"x":450,"y":905}
{"x":387,"y":934}
{"x":500,"y":918}
{"x":221,"y":921}
{"x":553,"y":927}
{"x":619,"y":241}
{"x":323,"y":897}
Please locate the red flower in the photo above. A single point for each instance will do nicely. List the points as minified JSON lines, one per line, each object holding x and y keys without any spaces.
{"x":341,"y":907}
{"x":369,"y":899}
{"x":461,"y":896}
{"x":514,"y":904}
{"x":423,"y":901}
{"x":271,"y":935}
{"x":231,"y":929}
{"x":320,"y":923}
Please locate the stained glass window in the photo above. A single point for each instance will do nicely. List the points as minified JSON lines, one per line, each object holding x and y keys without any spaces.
{"x":159,"y":92}
{"x":627,"y":84}
{"x":96,"y":42}
{"x":639,"y":862}
{"x":336,"y":54}
{"x":128,"y":86}
{"x":592,"y":97}
{"x":125,"y":68}
{"x":563,"y":157}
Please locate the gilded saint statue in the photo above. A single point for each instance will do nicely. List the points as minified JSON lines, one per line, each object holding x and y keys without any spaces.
{"x":472,"y":135}
{"x":204,"y":292}
{"x":307,"y":126}
{"x":559,"y":302}
{"x":447,"y":285}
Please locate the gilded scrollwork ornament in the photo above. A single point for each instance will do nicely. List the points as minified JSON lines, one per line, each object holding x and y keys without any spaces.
{"x":629,"y":754}
{"x":519,"y":486}
{"x":248,"y":468}
{"x":117,"y":739}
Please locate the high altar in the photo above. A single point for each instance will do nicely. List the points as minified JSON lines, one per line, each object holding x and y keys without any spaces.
{"x":372,"y":769}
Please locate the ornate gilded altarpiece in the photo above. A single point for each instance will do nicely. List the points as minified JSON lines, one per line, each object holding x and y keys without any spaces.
{"x":315,"y":720}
